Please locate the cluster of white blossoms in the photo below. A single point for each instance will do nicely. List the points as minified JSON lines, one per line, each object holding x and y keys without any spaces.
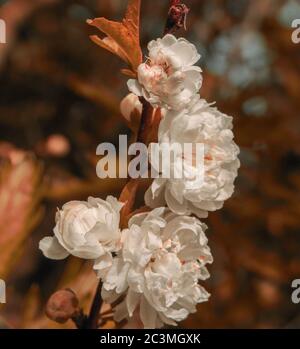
{"x":163,"y":257}
{"x":155,"y":265}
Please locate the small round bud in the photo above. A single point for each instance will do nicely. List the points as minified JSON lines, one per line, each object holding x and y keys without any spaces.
{"x":57,"y":145}
{"x":62,"y":306}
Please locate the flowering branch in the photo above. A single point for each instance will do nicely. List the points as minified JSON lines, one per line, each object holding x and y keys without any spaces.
{"x":164,"y":250}
{"x":176,"y":19}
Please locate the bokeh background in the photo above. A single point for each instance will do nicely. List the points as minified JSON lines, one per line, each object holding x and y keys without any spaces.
{"x":59,"y":98}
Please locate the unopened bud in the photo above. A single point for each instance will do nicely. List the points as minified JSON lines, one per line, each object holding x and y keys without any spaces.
{"x":176,"y":17}
{"x":131,"y":110}
{"x":62,"y":306}
{"x":129,"y":105}
{"x":57,"y":145}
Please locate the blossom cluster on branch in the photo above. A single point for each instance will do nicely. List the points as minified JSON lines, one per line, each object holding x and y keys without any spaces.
{"x":153,"y":266}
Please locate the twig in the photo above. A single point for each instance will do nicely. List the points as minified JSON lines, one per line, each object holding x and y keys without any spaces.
{"x":92,"y":321}
{"x":145,"y":122}
{"x":80,"y":320}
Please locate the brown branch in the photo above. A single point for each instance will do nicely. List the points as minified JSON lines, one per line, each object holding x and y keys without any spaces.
{"x":93,"y":318}
{"x":127,"y":196}
{"x":145,"y":122}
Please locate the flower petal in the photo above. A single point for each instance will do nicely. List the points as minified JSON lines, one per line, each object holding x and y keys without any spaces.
{"x":52,"y":249}
{"x":148,"y":314}
{"x":134,"y":87}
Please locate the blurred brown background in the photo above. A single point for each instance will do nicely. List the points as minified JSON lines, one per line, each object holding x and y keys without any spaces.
{"x":59,"y":98}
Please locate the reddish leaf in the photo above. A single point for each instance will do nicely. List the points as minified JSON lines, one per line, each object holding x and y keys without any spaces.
{"x":122,"y":38}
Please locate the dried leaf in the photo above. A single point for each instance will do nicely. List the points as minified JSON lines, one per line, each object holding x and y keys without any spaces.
{"x":99,"y":93}
{"x":123,"y":38}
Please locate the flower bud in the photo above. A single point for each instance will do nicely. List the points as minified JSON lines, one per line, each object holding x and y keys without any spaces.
{"x":129,"y":104}
{"x":57,"y":145}
{"x":62,"y":306}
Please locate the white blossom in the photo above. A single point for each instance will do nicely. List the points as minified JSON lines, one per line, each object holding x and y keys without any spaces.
{"x":205,"y":125}
{"x":158,"y":269}
{"x":169,"y":77}
{"x":86,"y":229}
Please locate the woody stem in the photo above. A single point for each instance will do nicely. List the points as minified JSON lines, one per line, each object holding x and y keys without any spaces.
{"x":92,"y":321}
{"x":145,"y":120}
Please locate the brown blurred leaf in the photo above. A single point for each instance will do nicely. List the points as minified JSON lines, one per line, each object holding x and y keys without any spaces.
{"x":32,"y":305}
{"x":99,"y":94}
{"x":19,"y":212}
{"x":123,"y":38}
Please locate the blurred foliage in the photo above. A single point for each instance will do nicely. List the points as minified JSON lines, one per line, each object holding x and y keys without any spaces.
{"x":60,"y":98}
